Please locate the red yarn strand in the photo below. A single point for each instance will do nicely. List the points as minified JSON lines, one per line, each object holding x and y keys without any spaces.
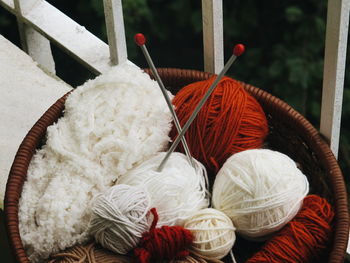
{"x":155,"y":219}
{"x":229,"y":122}
{"x":304,"y":238}
{"x":167,"y":242}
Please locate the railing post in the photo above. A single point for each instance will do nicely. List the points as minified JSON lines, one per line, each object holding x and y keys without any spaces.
{"x":115,"y":30}
{"x":36,"y":45}
{"x":212,"y":17}
{"x":334,"y":70}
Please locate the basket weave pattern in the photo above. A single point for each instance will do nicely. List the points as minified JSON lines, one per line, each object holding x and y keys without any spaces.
{"x":290,"y":133}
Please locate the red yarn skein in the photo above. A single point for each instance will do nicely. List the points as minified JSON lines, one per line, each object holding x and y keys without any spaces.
{"x":167,"y":242}
{"x":303,"y":238}
{"x":230,"y":121}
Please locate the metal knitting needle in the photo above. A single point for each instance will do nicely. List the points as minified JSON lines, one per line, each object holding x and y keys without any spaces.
{"x":141,"y":41}
{"x":232,"y":257}
{"x":237,"y":51}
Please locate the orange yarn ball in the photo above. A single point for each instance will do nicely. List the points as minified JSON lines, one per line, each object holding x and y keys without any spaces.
{"x":304,"y":239}
{"x":230,"y":121}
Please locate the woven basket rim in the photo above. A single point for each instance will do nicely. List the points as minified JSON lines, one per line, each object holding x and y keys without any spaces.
{"x":31,"y":141}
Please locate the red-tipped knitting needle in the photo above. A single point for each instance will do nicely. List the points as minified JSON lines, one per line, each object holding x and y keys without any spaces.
{"x":232,"y":257}
{"x":237,"y":51}
{"x":141,"y":41}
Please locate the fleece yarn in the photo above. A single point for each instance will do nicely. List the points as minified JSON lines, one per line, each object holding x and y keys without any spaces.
{"x":109,"y":124}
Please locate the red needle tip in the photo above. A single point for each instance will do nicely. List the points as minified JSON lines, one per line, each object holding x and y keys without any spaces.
{"x":238,"y":50}
{"x":140,"y":39}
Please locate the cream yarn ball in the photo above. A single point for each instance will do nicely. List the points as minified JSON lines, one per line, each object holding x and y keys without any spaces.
{"x":176,"y":192}
{"x":260,"y":190}
{"x":119,"y":217}
{"x":213,"y":232}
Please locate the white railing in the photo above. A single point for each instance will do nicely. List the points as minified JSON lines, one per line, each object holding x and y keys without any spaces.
{"x":52,"y":24}
{"x":334,"y":70}
{"x":213,"y":35}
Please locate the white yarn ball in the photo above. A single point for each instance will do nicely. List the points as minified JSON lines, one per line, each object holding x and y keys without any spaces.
{"x":176,"y":192}
{"x":260,"y":190}
{"x":119,"y":217}
{"x":213,"y":231}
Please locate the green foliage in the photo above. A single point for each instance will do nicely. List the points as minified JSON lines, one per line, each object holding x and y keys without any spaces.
{"x":285,"y":41}
{"x":293,"y":14}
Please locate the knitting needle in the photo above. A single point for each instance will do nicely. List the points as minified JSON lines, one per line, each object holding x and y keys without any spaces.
{"x":232,"y":257}
{"x":237,"y":51}
{"x":141,"y":41}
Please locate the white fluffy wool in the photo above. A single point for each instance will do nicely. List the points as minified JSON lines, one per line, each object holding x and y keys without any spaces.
{"x":213,"y":232}
{"x":176,"y":192}
{"x":110,"y":123}
{"x":260,"y":190}
{"x":120,"y":217}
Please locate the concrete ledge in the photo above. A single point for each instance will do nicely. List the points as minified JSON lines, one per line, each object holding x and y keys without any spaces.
{"x":26,"y":92}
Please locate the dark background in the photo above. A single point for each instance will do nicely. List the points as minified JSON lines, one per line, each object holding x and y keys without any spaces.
{"x":284,"y":41}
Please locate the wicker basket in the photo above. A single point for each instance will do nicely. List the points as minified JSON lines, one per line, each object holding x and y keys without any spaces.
{"x":290,"y":133}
